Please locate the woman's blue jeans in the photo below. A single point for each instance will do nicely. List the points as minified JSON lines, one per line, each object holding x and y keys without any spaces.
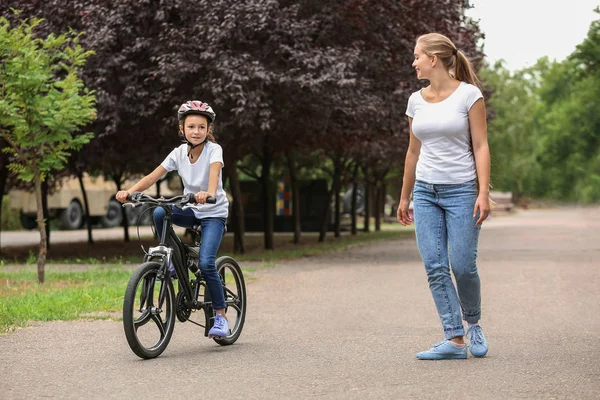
{"x":212,"y":233}
{"x":447,"y":237}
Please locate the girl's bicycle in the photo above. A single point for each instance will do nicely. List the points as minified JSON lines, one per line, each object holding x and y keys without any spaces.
{"x":151,"y":304}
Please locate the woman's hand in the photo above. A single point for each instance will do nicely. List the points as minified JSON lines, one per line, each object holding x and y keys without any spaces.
{"x":201,"y":197}
{"x":403,"y":214}
{"x":482,"y":205}
{"x":122,"y":195}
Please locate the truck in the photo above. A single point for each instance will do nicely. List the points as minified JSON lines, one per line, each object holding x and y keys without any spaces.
{"x":66,"y":205}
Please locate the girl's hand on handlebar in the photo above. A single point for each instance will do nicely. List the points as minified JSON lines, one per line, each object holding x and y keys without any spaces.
{"x":201,"y":197}
{"x":122,"y":195}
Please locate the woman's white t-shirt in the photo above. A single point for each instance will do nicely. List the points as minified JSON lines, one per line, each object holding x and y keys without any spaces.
{"x":195,"y":177}
{"x":443,"y":128}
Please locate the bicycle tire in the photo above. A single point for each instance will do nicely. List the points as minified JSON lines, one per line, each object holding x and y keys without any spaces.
{"x":239,"y":296}
{"x":145,"y":275}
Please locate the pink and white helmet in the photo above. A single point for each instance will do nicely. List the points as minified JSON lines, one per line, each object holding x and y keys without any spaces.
{"x":196,"y":107}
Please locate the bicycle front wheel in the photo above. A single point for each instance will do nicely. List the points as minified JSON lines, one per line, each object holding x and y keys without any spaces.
{"x":149,"y":311}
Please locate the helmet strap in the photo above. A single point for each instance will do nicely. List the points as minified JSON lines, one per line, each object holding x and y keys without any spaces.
{"x":192,"y":147}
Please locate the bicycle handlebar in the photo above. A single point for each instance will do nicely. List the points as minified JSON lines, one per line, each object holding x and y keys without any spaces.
{"x":181,"y":200}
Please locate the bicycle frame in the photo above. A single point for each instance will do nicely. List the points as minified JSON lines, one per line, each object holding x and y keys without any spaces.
{"x":176,"y":253}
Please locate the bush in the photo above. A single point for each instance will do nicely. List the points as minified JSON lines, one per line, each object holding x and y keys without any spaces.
{"x":10,"y":218}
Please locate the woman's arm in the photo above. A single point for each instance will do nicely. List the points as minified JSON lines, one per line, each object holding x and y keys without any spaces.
{"x":481,"y":151}
{"x":142,"y":184}
{"x":408,"y":181}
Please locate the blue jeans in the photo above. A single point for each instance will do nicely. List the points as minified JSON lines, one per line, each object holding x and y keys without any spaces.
{"x":212,"y":233}
{"x":447,"y":237}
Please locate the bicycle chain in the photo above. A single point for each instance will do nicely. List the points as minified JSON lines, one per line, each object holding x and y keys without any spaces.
{"x":183,"y":313}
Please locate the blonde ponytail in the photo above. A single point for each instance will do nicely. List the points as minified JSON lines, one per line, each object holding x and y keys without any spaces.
{"x":454,"y":60}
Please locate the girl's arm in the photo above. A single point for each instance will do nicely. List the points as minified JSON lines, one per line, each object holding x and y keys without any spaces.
{"x":408,"y":181}
{"x":213,"y":178}
{"x":481,"y":151}
{"x":142,"y":184}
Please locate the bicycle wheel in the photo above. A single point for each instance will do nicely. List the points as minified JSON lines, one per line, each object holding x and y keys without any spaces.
{"x":234,"y":288}
{"x":148,"y":318}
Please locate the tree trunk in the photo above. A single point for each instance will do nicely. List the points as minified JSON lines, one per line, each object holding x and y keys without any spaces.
{"x":337,"y":183}
{"x":268,"y":219}
{"x":325,"y":223}
{"x":41,"y":227}
{"x":158,"y":184}
{"x":378,"y":195}
{"x":367,"y":195}
{"x":237,"y":208}
{"x":88,"y":220}
{"x":295,"y":197}
{"x":367,"y":204}
{"x":125,"y":221}
{"x":354,"y":198}
{"x":46,"y":213}
{"x":3,"y":178}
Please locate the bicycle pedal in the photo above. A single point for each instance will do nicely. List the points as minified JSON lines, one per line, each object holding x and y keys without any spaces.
{"x":215,"y":337}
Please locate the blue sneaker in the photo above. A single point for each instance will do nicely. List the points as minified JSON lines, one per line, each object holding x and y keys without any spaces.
{"x":478,"y":346}
{"x":444,"y":350}
{"x":220,"y":327}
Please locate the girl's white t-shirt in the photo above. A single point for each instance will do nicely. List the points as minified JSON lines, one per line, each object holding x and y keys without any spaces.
{"x":443,"y":128}
{"x":195,"y":177}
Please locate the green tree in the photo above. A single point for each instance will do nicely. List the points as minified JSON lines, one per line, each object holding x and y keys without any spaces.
{"x":511,"y":129}
{"x":43,"y":104}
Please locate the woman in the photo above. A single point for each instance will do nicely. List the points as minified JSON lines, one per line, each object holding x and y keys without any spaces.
{"x":199,"y":161}
{"x":448,"y":171}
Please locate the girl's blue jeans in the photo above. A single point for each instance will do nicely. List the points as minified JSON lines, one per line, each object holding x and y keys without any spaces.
{"x":447,"y":238}
{"x":212,"y":233}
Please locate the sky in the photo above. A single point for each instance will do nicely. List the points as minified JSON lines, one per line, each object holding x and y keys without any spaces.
{"x":522,"y":31}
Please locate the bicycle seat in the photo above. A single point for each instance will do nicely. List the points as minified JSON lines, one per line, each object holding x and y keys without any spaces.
{"x":194,"y":251}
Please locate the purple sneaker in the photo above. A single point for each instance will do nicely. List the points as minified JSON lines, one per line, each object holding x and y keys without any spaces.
{"x":220,"y":327}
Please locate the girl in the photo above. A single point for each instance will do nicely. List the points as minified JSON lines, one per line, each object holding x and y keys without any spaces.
{"x":448,"y":170}
{"x":199,"y":162}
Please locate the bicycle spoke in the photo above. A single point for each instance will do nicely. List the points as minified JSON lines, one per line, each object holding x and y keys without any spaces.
{"x":236,"y":308}
{"x":142,"y":319}
{"x":143,"y":294}
{"x":230,"y":292}
{"x":159,"y":323}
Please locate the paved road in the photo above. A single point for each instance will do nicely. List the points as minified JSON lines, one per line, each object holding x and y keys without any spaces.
{"x":347,"y":326}
{"x":24,"y":238}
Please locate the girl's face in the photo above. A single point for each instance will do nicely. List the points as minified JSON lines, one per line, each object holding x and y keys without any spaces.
{"x":422,"y":64}
{"x":195,"y":128}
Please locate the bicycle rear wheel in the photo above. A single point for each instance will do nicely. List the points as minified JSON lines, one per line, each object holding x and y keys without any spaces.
{"x":148,"y":311}
{"x":234,"y":288}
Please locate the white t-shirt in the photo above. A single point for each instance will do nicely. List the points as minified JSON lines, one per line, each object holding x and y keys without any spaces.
{"x":443,"y":129}
{"x":195,"y":177}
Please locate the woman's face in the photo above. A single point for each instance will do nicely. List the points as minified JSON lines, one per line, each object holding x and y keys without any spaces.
{"x":422,"y":63}
{"x":195,"y":128}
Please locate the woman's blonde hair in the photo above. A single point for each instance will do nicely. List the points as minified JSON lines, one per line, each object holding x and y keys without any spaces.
{"x":454,"y":60}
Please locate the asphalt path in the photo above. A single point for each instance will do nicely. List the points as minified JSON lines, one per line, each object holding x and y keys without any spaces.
{"x":348,"y":325}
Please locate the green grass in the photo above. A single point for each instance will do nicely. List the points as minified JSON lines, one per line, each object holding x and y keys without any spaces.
{"x":95,"y":287}
{"x":65,"y":295}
